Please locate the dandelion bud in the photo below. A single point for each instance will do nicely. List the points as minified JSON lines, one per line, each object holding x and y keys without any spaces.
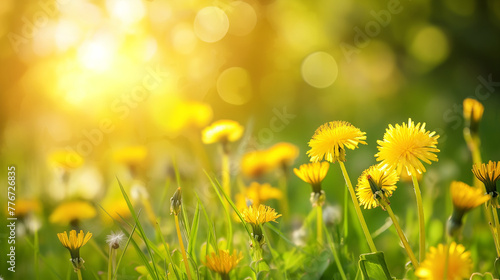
{"x":473,"y":112}
{"x":175,"y":202}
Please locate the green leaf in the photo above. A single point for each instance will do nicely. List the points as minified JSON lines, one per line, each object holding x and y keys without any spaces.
{"x":497,"y":266}
{"x":373,"y":266}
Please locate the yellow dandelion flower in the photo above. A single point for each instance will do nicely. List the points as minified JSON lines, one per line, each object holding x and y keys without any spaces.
{"x":465,"y":197}
{"x":330,"y":140}
{"x":132,"y":155}
{"x":254,"y":164}
{"x":72,"y":211}
{"x":189,"y":114}
{"x":488,"y":174}
{"x":258,"y":193}
{"x":65,"y":159}
{"x":473,"y":110}
{"x":258,"y":215}
{"x":73,"y":244}
{"x":282,"y":155}
{"x":313,"y":174}
{"x":27,"y":206}
{"x":222,"y":131}
{"x":223,"y":262}
{"x":406,"y":146}
{"x":459,"y":263}
{"x":375,"y":184}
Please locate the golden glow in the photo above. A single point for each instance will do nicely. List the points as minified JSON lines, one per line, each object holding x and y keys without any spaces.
{"x":126,"y":11}
{"x":97,"y":54}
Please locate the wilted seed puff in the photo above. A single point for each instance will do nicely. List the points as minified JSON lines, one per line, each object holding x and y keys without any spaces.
{"x":114,"y":240}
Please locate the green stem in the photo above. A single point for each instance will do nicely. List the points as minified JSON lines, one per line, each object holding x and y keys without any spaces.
{"x":184,"y":256}
{"x":358,"y":209}
{"x":336,"y":256}
{"x":421,"y":219}
{"x":319,"y":224}
{"x":37,"y":252}
{"x":226,"y":178}
{"x":401,"y":234}
{"x":110,"y":257}
{"x":284,"y":188}
{"x":79,"y":273}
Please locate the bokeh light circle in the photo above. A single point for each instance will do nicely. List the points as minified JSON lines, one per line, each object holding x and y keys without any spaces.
{"x":430,"y":45}
{"x":319,"y":70}
{"x":211,"y":24}
{"x":234,"y":86}
{"x":242,"y":18}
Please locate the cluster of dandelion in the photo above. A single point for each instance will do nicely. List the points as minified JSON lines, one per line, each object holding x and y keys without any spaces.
{"x":403,"y":151}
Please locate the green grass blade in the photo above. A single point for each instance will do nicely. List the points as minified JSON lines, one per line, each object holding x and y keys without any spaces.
{"x":51,"y":269}
{"x":139,"y":226}
{"x":211,"y":229}
{"x":194,"y":230}
{"x":167,"y":252}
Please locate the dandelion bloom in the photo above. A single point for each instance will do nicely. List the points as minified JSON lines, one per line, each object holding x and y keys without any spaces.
{"x":406,"y":146}
{"x":223,"y":262}
{"x":132,"y":155}
{"x":282,"y":155}
{"x":313,"y":173}
{"x":488,"y":174}
{"x":374,"y":184}
{"x":255,"y":164}
{"x":259,"y":193}
{"x":330,"y":140}
{"x":459,"y":263}
{"x":65,"y":159}
{"x":465,"y":197}
{"x":73,"y":244}
{"x":258,"y":215}
{"x":72,"y":211}
{"x":473,"y":110}
{"x":222,"y":131}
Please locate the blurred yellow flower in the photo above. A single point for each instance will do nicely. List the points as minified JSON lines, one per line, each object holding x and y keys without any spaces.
{"x":254,"y":164}
{"x":473,"y":110}
{"x":222,"y":131}
{"x":132,"y":155}
{"x":65,"y":159}
{"x":459,"y":264}
{"x":116,"y":208}
{"x":258,"y":215}
{"x":223,"y":262}
{"x":406,"y":146}
{"x":69,"y":212}
{"x":189,"y":114}
{"x":282,"y":154}
{"x":313,"y":173}
{"x":330,"y":140}
{"x":26,"y":206}
{"x":258,"y":193}
{"x":488,"y":174}
{"x":465,"y":197}
{"x":375,"y":184}
{"x":73,"y":244}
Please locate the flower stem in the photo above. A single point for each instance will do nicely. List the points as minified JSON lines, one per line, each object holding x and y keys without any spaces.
{"x":358,"y":209}
{"x":79,"y":273}
{"x":319,"y":224}
{"x":110,"y":257}
{"x":421,"y":219}
{"x":184,"y":256}
{"x":401,"y":234}
{"x":226,"y":178}
{"x":284,"y":188}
